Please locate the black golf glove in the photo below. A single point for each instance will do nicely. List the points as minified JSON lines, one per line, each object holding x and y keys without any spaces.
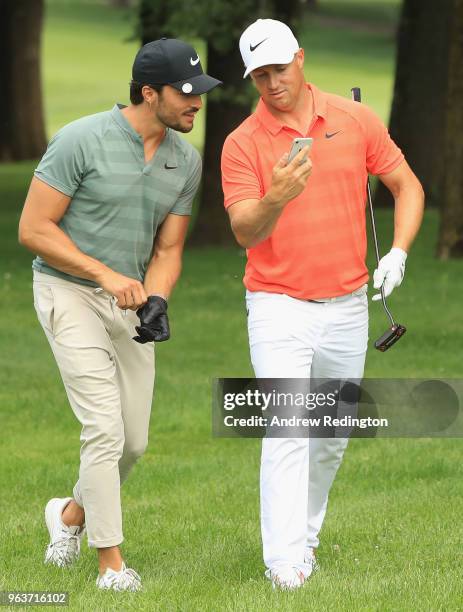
{"x":154,"y":324}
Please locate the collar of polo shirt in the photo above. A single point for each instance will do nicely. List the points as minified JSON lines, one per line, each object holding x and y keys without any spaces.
{"x":274,"y":125}
{"x":171,"y":161}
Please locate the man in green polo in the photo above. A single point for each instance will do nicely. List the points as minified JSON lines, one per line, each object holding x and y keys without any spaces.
{"x":107,"y":214}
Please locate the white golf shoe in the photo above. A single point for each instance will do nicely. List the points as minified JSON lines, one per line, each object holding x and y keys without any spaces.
{"x":290,"y":578}
{"x":64,"y":546}
{"x":126,"y":579}
{"x":309,"y":557}
{"x":286,"y":579}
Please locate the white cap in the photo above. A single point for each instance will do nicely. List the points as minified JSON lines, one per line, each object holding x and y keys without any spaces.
{"x":267,"y":41}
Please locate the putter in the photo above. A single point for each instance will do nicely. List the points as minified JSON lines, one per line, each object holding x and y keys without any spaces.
{"x":396,"y":331}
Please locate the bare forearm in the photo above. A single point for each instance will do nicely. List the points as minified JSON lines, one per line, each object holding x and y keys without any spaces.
{"x":254,"y":220}
{"x":257,"y":221}
{"x":162,"y":274}
{"x":408,"y":215}
{"x":60,"y":252}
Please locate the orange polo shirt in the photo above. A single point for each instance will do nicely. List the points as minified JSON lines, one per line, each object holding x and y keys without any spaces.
{"x":318,"y":246}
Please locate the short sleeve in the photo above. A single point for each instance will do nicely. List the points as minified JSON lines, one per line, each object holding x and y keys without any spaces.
{"x":62,"y":165}
{"x":382,"y":154}
{"x":184,"y":203}
{"x":240,"y":181}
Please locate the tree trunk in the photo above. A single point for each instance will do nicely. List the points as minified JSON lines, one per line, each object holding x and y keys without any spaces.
{"x":22,"y":129}
{"x":417,"y":122}
{"x":289,"y":12}
{"x":224,"y":114}
{"x":451,"y":222}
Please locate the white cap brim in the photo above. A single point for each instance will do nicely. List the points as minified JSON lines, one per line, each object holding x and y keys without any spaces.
{"x":267,"y":59}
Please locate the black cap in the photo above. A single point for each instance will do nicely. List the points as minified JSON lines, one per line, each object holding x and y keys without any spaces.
{"x":169,"y":61}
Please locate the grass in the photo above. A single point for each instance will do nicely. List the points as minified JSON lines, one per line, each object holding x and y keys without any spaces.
{"x":373,"y":14}
{"x":191,"y":506}
{"x":391,"y":540}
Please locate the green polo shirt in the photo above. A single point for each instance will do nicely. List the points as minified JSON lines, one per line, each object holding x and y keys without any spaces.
{"x":118,"y":201}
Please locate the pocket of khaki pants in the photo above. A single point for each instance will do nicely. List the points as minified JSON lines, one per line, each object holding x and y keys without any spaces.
{"x":44,"y":303}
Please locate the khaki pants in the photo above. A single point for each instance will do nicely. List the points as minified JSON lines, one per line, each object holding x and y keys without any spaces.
{"x":109,"y":381}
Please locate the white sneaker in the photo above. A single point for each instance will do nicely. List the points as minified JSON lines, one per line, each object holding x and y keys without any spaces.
{"x":64,"y":547}
{"x":286,"y":579}
{"x":124,"y":580}
{"x":309,"y":557}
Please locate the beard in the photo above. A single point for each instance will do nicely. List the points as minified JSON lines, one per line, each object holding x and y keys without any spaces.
{"x":171,"y":119}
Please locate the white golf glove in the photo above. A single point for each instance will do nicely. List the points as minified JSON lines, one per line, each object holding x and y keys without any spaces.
{"x":390,"y":271}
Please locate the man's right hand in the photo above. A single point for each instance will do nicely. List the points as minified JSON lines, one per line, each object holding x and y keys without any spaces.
{"x":254,"y":220}
{"x":289,"y":180}
{"x":129,"y":292}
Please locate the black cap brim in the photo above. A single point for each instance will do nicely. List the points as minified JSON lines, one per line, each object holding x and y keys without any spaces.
{"x":200,"y":84}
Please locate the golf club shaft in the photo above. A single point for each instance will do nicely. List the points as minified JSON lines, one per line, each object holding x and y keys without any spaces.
{"x":357,"y":97}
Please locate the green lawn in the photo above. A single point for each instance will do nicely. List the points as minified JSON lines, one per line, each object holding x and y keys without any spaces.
{"x":392,"y":537}
{"x":372,"y":14}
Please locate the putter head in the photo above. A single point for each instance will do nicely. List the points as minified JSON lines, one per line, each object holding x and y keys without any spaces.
{"x":390,"y":337}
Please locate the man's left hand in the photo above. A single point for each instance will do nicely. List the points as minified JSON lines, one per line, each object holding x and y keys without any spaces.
{"x":154,"y":323}
{"x":390,"y":271}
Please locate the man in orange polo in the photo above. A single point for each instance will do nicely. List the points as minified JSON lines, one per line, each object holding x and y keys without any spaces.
{"x":303,"y":225}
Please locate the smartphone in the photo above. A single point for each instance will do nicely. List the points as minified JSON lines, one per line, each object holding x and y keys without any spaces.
{"x":298,"y":145}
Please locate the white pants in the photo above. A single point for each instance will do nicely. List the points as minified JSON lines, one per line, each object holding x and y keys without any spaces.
{"x":292,"y":338}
